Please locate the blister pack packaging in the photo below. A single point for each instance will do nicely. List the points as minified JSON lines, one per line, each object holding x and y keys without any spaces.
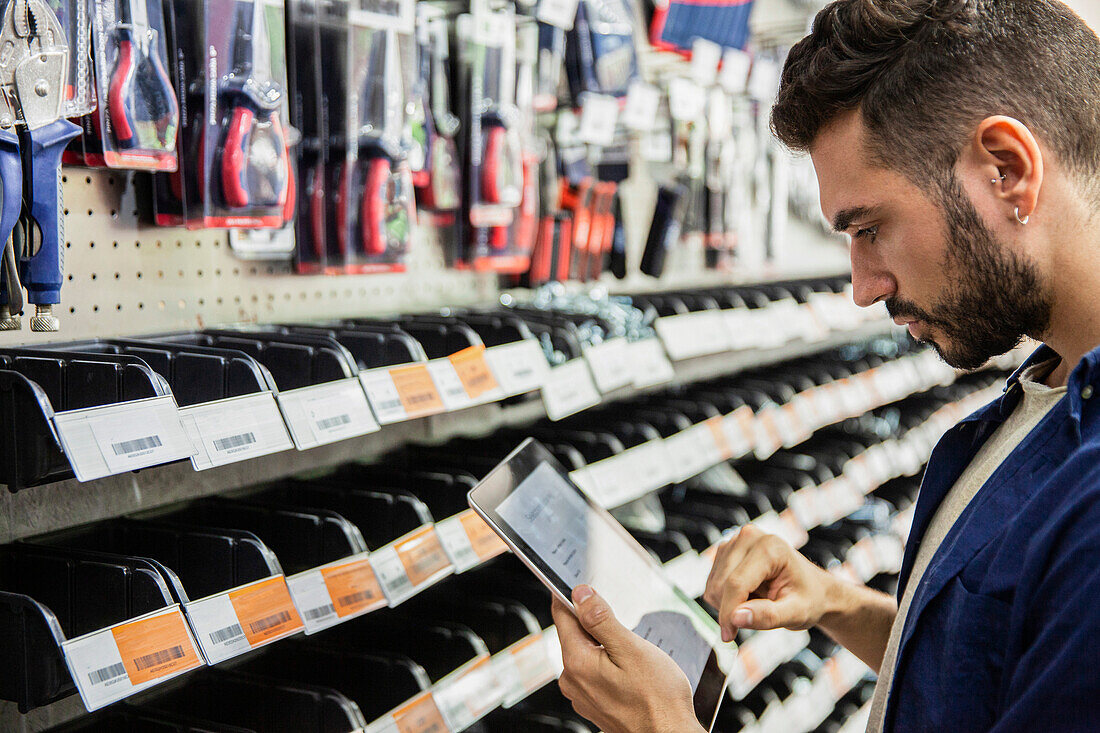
{"x":380,"y":207}
{"x":492,"y":140}
{"x":80,"y":96}
{"x":136,"y":124}
{"x":307,"y":115}
{"x":439,"y":179}
{"x":601,"y":56}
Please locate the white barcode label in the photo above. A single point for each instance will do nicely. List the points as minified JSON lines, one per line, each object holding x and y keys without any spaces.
{"x":599,"y":113}
{"x":383,"y":396}
{"x":693,"y":334}
{"x":235,"y":429}
{"x":449,"y":385}
{"x":560,"y":13}
{"x":157,"y":646}
{"x":314,"y":614}
{"x":217,"y":628}
{"x":610,"y":364}
{"x":692,"y":451}
{"x":326,"y":413}
{"x":457,"y":543}
{"x":311,"y":598}
{"x":102,"y":441}
{"x":468,"y":694}
{"x":743,"y":328}
{"x":392,"y":575}
{"x":519,"y":367}
{"x":705,"y":56}
{"x":642,"y":103}
{"x":569,"y":389}
{"x":650,"y":363}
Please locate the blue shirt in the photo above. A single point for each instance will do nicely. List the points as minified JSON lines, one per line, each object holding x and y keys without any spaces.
{"x":1004,"y":629}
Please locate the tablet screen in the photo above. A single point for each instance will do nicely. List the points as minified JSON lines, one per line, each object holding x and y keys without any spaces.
{"x":556,"y":528}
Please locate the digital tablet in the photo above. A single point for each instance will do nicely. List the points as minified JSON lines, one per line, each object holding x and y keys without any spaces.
{"x":567,"y":540}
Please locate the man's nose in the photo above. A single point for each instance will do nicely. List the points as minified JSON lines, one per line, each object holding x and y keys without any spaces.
{"x":871,"y":281}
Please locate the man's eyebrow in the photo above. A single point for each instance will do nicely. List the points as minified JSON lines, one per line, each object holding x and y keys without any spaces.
{"x":844,"y":218}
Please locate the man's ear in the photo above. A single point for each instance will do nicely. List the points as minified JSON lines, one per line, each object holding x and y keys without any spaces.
{"x":1005,"y":153}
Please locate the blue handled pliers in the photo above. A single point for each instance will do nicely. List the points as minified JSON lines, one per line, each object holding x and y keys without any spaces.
{"x":34,"y":73}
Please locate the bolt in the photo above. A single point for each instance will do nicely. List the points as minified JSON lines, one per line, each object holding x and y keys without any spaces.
{"x":42,"y":88}
{"x":44,"y":319}
{"x":6,"y":121}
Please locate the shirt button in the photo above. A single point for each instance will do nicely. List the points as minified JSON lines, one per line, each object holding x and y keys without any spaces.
{"x":1086,"y":392}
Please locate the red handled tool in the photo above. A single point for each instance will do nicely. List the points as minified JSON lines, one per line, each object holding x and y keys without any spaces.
{"x":255,"y":159}
{"x":144,"y":113}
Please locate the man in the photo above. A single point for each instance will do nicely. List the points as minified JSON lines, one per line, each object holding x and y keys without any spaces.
{"x":958,"y":143}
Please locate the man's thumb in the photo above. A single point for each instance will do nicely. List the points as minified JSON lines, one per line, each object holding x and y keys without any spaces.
{"x":598,"y":620}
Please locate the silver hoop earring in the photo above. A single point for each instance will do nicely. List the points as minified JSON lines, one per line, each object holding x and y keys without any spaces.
{"x":1023,"y":220}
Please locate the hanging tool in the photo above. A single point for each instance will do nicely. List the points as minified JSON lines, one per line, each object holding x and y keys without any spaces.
{"x":143,"y":107}
{"x":502,"y":159}
{"x":255,"y":160}
{"x":384,"y":214}
{"x":34,"y":68}
{"x":440,"y":191}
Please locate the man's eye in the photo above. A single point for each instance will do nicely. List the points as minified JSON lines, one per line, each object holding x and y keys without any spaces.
{"x":868,"y":232}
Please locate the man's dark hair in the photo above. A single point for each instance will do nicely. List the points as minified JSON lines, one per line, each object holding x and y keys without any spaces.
{"x":923,"y":73}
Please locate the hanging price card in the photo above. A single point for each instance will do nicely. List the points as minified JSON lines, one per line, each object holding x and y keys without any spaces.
{"x":477,"y":378}
{"x":569,"y":389}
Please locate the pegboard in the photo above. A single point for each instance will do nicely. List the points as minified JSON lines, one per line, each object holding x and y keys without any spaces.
{"x":127,"y":277}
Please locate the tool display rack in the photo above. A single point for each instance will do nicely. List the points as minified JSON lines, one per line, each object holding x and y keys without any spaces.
{"x":128,"y":278}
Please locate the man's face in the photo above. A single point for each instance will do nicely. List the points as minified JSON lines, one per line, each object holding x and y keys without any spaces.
{"x":940,"y":269}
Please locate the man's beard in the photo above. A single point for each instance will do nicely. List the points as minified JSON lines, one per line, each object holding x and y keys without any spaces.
{"x":992,"y":298}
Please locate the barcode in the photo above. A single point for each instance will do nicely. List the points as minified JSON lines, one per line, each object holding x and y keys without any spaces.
{"x":354,"y":598}
{"x":165,"y":655}
{"x":107,"y":673}
{"x":264,"y":624}
{"x":421,"y":397}
{"x":333,"y":422}
{"x":234,"y":441}
{"x":139,"y":444}
{"x":386,"y":405}
{"x":312,"y":614}
{"x":229,"y":632}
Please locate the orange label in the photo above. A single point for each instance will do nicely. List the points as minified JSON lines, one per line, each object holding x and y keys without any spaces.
{"x":353,"y":587}
{"x":416,"y":390}
{"x":474,"y":372}
{"x":420,"y":715}
{"x":422,"y":554}
{"x":716,"y":429}
{"x":265,"y":610}
{"x":482,"y":538}
{"x":749,"y":662}
{"x":766,"y":418}
{"x":156,"y":647}
{"x":531,"y":660}
{"x":745,"y":418}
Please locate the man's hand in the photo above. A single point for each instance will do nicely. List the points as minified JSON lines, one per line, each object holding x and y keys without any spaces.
{"x":760,"y":582}
{"x":615,"y":678}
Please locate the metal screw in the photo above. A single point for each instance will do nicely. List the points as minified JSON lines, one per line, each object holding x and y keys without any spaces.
{"x":42,"y":88}
{"x":6,"y":121}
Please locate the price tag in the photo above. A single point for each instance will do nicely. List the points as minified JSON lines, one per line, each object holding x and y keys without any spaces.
{"x":569,"y":389}
{"x":418,"y":715}
{"x":705,"y":56}
{"x":448,"y":384}
{"x":402,"y":393}
{"x":804,"y":504}
{"x":693,"y":334}
{"x":235,"y":429}
{"x":340,"y":590}
{"x":599,"y":113}
{"x":560,"y":13}
{"x":764,"y":80}
{"x":742,"y":326}
{"x":768,"y":437}
{"x":475,"y":375}
{"x":642,"y":103}
{"x":326,"y":413}
{"x":735,"y":70}
{"x":523,"y":668}
{"x":692,"y":451}
{"x":519,"y":367}
{"x":685,"y":99}
{"x":457,"y":544}
{"x":468,"y":694}
{"x":740,"y":427}
{"x":482,"y":538}
{"x":610,"y":364}
{"x":409,"y":564}
{"x":650,"y":363}
{"x":111,"y":664}
{"x":228,"y":624}
{"x":103,"y":441}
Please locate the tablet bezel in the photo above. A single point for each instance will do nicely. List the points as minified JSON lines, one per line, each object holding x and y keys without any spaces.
{"x":499,"y":484}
